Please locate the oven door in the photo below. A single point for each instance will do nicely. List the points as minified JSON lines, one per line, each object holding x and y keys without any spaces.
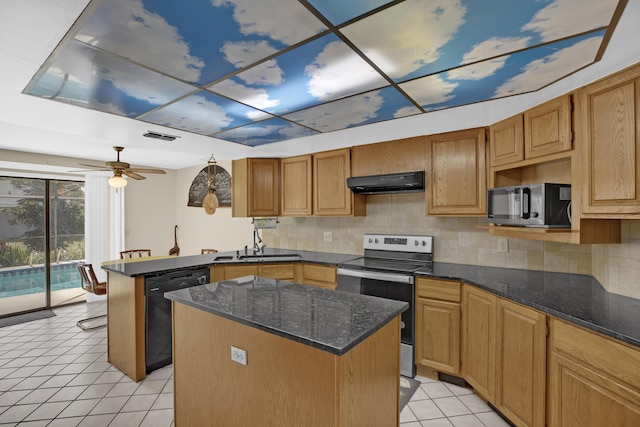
{"x":397,"y":287}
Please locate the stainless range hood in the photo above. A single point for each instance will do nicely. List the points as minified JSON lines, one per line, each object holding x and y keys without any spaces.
{"x":405,"y":182}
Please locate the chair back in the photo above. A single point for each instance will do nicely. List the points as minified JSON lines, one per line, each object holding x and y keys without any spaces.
{"x":208,"y":251}
{"x":90,"y":282}
{"x":135,"y":253}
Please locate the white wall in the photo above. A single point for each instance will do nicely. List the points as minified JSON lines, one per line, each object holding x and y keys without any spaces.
{"x":150,"y":214}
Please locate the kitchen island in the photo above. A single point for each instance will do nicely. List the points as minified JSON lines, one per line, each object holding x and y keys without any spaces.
{"x":256,"y":351}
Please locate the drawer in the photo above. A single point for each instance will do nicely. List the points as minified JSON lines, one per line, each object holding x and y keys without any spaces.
{"x":278,"y":271}
{"x":445,"y":290}
{"x":318,"y":273}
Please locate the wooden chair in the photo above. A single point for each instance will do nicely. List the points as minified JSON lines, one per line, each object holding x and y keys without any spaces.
{"x":208,"y":251}
{"x":135,"y":253}
{"x":91,"y":284}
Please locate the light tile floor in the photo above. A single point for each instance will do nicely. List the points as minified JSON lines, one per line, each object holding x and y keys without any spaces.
{"x":438,"y":403}
{"x":54,"y":374}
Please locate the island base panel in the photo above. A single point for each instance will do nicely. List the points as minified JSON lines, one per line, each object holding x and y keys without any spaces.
{"x":285,"y":383}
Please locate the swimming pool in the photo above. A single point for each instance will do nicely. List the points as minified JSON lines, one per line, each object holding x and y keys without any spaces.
{"x":31,"y":280}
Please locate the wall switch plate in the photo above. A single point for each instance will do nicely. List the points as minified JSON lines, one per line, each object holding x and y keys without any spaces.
{"x":239,"y":355}
{"x":503,"y":245}
{"x":328,"y":236}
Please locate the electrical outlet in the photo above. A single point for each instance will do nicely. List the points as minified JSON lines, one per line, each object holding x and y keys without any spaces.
{"x":503,"y":245}
{"x":328,"y":236}
{"x":239,"y":355}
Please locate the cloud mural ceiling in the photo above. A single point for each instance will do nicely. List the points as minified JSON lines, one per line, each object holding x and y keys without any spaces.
{"x":258,"y":72}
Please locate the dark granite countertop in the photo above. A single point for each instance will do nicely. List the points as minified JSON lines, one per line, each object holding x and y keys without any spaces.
{"x":578,"y":299}
{"x":171,"y":264}
{"x":332,"y":321}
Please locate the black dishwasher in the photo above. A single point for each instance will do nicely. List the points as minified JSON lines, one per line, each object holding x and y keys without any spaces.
{"x":157,"y":313}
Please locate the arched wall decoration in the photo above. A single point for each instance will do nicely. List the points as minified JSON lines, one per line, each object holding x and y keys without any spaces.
{"x":200,"y":187}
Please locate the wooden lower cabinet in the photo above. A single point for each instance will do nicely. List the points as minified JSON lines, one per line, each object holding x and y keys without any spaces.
{"x":272,"y":271}
{"x":521,"y":363}
{"x":572,"y":377}
{"x":593,"y":381}
{"x":323,"y":276}
{"x":437,"y":345}
{"x":504,"y":355}
{"x":479,"y":340}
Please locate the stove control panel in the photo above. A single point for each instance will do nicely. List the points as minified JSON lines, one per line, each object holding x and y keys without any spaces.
{"x":400,"y":243}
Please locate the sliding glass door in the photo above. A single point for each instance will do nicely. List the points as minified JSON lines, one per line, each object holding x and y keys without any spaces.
{"x":41,"y":243}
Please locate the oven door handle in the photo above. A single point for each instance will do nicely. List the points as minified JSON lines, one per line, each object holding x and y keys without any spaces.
{"x":396,"y":278}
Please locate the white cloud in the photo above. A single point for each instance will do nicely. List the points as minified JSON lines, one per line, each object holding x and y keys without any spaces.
{"x":409,"y":35}
{"x":246,"y":53}
{"x":258,"y":98}
{"x":543,"y":71}
{"x":259,"y":134}
{"x":274,"y":18}
{"x":135,"y":33}
{"x":144,"y":86}
{"x":429,"y":90}
{"x":194,"y":114}
{"x":108,"y":107}
{"x":266,"y":74}
{"x":338,"y":71}
{"x":492,"y":47}
{"x":405,"y":111}
{"x":340,"y":114}
{"x":564,"y":17}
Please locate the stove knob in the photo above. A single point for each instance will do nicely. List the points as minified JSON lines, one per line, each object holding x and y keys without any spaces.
{"x":416,"y":243}
{"x":376,"y":240}
{"x":370,"y":240}
{"x":424,"y":243}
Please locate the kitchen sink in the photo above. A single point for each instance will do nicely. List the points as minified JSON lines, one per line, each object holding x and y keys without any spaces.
{"x":223,"y":258}
{"x":270,"y":257}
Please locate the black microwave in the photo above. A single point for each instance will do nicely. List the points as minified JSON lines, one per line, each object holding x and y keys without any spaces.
{"x":544,"y":205}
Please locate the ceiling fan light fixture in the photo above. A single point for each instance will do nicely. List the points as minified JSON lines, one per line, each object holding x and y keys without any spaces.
{"x":117,"y":181}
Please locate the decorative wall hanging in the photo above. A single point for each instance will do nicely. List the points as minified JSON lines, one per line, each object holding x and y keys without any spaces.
{"x":200,"y":186}
{"x":210,"y":201}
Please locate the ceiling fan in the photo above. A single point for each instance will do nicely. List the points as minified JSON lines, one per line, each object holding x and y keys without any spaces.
{"x":121,"y":168}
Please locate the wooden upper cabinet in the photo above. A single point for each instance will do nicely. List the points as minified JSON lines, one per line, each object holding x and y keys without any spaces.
{"x":256,"y":187}
{"x":542,"y":131}
{"x":457,"y":173}
{"x":331,"y":196}
{"x":402,"y":155}
{"x":547,"y":128}
{"x":506,"y":141}
{"x":609,"y":112}
{"x":296,"y":186}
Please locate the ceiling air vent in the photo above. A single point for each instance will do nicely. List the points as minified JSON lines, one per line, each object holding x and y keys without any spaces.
{"x":161,"y":136}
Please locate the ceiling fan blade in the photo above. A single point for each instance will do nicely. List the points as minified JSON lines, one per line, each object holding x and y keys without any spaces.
{"x":143,"y":170}
{"x":99,"y":167}
{"x":132,"y":174}
{"x":91,"y":170}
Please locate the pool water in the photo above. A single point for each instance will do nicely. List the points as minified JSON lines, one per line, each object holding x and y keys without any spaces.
{"x":31,"y":280}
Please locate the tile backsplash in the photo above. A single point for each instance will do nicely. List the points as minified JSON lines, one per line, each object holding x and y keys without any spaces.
{"x":465,"y":241}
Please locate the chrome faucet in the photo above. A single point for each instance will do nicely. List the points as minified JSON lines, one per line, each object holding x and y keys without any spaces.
{"x":256,"y":242}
